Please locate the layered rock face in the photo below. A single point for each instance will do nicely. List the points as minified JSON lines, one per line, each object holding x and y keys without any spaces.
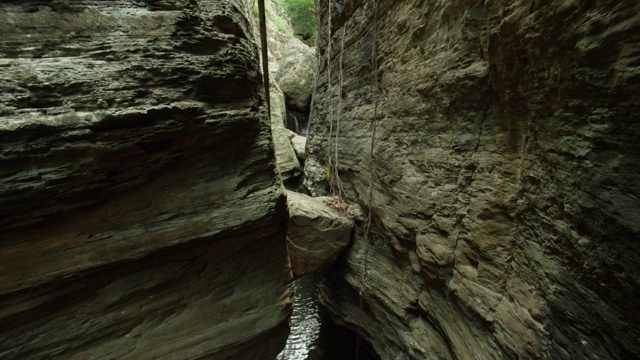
{"x":504,"y":211}
{"x":141,"y":216}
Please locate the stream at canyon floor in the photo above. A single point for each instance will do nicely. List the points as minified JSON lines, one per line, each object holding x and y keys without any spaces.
{"x":313,"y":335}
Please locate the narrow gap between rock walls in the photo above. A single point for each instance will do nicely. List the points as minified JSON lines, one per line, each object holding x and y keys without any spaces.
{"x":314,"y":336}
{"x":291,"y":29}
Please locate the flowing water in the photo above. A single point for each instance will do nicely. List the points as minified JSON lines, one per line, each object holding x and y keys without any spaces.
{"x":313,"y":335}
{"x":297,"y":121}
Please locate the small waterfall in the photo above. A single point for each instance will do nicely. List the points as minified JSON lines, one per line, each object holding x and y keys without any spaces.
{"x":297,"y":121}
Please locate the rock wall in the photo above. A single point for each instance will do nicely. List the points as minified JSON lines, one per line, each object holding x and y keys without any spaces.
{"x":292,"y":69}
{"x":141,"y":216}
{"x":288,"y":165}
{"x":504,"y":172}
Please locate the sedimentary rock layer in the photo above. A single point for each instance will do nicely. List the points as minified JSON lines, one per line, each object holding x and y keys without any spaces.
{"x":141,"y":216}
{"x":505,"y":168}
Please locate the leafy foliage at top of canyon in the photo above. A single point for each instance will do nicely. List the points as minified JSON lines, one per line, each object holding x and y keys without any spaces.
{"x":303,"y":18}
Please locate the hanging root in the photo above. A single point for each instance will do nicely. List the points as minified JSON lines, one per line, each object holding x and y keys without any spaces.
{"x":331,"y":167}
{"x":367,"y":225}
{"x":338,"y":181}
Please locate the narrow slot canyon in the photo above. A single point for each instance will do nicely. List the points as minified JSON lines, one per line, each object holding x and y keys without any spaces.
{"x":407,"y":180}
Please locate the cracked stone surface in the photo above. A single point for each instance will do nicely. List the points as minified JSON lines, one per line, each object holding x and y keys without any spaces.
{"x":317,"y":233}
{"x":141,"y":215}
{"x":505,"y":215}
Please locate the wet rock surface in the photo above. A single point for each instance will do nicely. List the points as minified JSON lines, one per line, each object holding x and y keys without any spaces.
{"x":505,"y":168}
{"x":318,"y":232}
{"x":141,"y":216}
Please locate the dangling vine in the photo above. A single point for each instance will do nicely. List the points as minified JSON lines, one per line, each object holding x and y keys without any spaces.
{"x":336,"y":178}
{"x":265,"y":54}
{"x":330,"y":169}
{"x":333,"y":152}
{"x":335,"y":183}
{"x":367,"y":224}
{"x":333,"y":178}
